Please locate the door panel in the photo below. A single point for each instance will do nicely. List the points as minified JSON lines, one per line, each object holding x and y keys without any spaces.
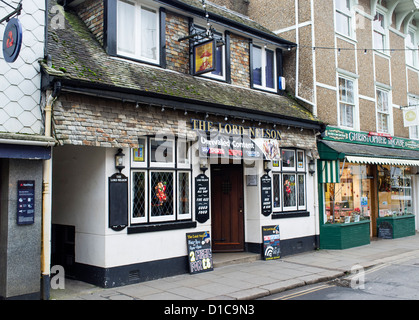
{"x":227,"y":207}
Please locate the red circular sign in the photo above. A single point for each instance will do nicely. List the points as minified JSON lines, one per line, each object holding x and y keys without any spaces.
{"x":12,"y":40}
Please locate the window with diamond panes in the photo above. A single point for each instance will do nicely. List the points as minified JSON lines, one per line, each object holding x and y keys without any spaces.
{"x":162,"y":195}
{"x":184,"y":192}
{"x":139,"y":203}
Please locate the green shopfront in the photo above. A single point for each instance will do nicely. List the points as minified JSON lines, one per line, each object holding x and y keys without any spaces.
{"x":367,"y":187}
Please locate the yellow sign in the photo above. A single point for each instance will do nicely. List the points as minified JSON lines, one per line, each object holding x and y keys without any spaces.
{"x":204,"y":57}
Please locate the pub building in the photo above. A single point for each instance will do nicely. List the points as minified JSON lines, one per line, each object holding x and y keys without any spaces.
{"x":367,"y":187}
{"x":153,"y":151}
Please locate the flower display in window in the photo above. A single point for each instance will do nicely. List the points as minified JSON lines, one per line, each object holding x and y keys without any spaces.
{"x":161,"y":193}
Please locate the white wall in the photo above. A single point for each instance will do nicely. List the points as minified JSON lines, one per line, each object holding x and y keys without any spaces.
{"x":20,"y":81}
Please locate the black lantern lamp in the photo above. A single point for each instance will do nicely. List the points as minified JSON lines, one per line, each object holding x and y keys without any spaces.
{"x":119,"y":160}
{"x":311,"y":166}
{"x":203,"y":166}
{"x":267,"y":165}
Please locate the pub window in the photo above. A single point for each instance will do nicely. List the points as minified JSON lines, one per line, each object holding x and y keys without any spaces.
{"x":160,"y":186}
{"x":289,"y":182}
{"x":137,"y":31}
{"x":264,"y":68}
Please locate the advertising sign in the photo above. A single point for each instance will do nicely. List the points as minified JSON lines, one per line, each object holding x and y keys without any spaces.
{"x":202,"y":203}
{"x":271,"y":242}
{"x":199,"y":252}
{"x":266,"y":190}
{"x":12,"y":40}
{"x":25,"y":202}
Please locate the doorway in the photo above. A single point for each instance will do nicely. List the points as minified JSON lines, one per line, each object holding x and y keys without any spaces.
{"x":227,"y":208}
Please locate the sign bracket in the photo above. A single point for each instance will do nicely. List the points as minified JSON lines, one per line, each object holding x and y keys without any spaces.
{"x":16,"y":11}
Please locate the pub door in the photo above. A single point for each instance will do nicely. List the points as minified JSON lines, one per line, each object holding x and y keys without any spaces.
{"x":227,"y":214}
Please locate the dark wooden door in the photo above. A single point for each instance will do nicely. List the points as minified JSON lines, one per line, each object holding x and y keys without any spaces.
{"x":227,"y":213}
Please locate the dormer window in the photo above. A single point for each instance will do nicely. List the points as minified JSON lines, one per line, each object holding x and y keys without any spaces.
{"x":137,"y":31}
{"x":263,"y":68}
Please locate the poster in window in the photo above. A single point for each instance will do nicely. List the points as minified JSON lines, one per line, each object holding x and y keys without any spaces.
{"x":204,"y":58}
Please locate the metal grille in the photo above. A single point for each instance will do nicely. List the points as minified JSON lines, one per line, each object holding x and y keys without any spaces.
{"x":138,"y":203}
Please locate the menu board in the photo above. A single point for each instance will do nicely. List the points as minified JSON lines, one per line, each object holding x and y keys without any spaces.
{"x":266,"y":189}
{"x":385,"y":230}
{"x":25,"y":202}
{"x":271,"y":242}
{"x":202,"y":204}
{"x":199,"y":252}
{"x":118,"y":202}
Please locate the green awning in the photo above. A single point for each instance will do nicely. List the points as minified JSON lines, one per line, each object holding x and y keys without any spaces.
{"x":329,"y":171}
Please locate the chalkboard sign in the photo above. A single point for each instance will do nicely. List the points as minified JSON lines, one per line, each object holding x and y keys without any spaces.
{"x":385,"y":230}
{"x":271,"y":242}
{"x":202,"y":204}
{"x":25,"y":202}
{"x":118,"y":202}
{"x":266,"y":189}
{"x":199,"y":252}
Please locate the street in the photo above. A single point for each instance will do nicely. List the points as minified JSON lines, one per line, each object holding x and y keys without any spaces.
{"x":398,"y":280}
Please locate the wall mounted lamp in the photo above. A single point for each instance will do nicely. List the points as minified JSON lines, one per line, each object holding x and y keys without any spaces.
{"x":311,"y":166}
{"x":119,"y":160}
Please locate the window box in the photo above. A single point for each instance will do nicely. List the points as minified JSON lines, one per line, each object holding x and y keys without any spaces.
{"x":401,"y":226}
{"x":344,"y":235}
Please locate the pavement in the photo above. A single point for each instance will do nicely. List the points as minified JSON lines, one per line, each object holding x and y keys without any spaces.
{"x":248,"y":278}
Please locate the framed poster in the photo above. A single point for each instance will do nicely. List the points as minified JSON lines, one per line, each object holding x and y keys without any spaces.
{"x":25,"y":202}
{"x":204,"y":57}
{"x":199,"y":252}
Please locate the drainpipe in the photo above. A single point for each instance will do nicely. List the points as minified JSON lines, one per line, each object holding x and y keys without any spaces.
{"x":46,"y":200}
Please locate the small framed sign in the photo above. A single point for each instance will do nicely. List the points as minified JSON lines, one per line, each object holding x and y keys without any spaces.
{"x":204,"y":57}
{"x":25,"y":202}
{"x":12,"y":40}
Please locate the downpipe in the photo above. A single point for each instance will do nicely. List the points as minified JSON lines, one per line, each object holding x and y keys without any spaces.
{"x":46,"y":200}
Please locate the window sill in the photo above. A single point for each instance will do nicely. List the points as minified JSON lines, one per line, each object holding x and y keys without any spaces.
{"x":161,"y":227}
{"x":290,"y":214}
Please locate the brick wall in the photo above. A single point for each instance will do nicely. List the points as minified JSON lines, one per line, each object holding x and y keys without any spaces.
{"x":240,"y":68}
{"x":91,"y":12}
{"x":177,"y":53}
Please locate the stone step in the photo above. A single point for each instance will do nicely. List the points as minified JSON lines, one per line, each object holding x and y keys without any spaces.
{"x":221,"y":259}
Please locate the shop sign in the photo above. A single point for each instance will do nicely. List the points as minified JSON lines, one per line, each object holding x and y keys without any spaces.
{"x":385,"y":230}
{"x":12,"y":40}
{"x":25,"y":202}
{"x":369,"y":138}
{"x":233,"y":129}
{"x":199,"y":252}
{"x":202,"y":203}
{"x":411,"y":116}
{"x":204,"y":57}
{"x":271,"y":242}
{"x":266,"y":190}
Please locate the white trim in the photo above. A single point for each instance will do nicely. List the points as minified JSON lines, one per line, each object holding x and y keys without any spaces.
{"x":360,"y":96}
{"x":326,"y":86}
{"x":177,"y":202}
{"x":392,"y":161}
{"x":171,"y":217}
{"x":144,"y":219}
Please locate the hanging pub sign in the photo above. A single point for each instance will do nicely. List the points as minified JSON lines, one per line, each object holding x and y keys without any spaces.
{"x":266,"y":192}
{"x":204,"y":57}
{"x":12,"y":40}
{"x":199,"y":252}
{"x":271,"y":242}
{"x":202,"y":203}
{"x":25,"y":202}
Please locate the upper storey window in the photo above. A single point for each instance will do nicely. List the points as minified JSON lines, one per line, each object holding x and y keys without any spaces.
{"x":137,"y":31}
{"x":411,"y":46}
{"x":264,"y":68}
{"x":343,"y":17}
{"x":379,"y":31}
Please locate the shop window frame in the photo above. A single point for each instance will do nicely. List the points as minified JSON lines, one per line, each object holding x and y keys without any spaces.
{"x":279,"y":171}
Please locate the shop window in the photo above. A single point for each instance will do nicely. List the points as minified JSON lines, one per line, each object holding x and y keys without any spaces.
{"x":346,"y":102}
{"x":350,"y":199}
{"x":343,"y":17}
{"x":394,"y":191}
{"x":263,"y":68}
{"x":160,"y":186}
{"x":383,"y":112}
{"x":137,"y":31}
{"x":289,"y":182}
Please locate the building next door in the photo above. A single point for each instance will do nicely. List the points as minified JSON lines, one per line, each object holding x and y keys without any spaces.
{"x":227,"y":210}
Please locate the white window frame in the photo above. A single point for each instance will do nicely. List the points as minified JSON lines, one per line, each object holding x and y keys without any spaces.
{"x":347,"y":13}
{"x":381,"y":30}
{"x":187,"y":163}
{"x":137,"y":32}
{"x":412,"y":58}
{"x":157,"y":164}
{"x":263,"y":69}
{"x":189,"y":215}
{"x":135,"y":220}
{"x":171,"y":217}
{"x":299,"y":206}
{"x":291,"y":169}
{"x":389,"y":112}
{"x":355,"y":120}
{"x":140,"y":164}
{"x":279,"y":208}
{"x":290,"y":208}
